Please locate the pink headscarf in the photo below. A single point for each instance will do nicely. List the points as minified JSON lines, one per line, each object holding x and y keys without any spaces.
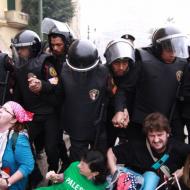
{"x":20,"y":113}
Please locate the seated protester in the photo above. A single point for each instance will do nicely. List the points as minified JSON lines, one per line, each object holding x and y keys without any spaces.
{"x":185,"y":179}
{"x":183,"y":176}
{"x":16,"y":159}
{"x":157,"y":153}
{"x":88,"y":174}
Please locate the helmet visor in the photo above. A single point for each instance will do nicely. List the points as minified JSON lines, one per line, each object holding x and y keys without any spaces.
{"x":53,"y":26}
{"x":120,"y":49}
{"x":176,"y":44}
{"x":18,"y":45}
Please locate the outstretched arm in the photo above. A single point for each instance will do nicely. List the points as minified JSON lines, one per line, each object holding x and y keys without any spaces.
{"x":54,"y":177}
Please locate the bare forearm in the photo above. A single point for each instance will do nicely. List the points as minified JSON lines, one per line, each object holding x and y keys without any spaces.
{"x":15,"y":177}
{"x":111,"y":161}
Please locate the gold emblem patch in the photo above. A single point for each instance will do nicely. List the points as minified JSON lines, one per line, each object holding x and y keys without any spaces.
{"x":94,"y":93}
{"x":52,"y":72}
{"x":179,"y":75}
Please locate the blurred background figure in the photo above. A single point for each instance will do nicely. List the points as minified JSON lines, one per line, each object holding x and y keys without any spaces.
{"x":185,"y":179}
{"x":129,"y":37}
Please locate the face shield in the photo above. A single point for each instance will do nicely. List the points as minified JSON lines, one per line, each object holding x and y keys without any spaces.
{"x":119,"y":49}
{"x":53,"y":26}
{"x":176,"y":43}
{"x":17,"y":60}
{"x":15,"y":57}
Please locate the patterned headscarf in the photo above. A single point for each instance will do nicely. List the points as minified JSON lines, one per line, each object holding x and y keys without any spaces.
{"x":20,"y":113}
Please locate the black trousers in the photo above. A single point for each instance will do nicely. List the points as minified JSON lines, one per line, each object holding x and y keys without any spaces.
{"x":48,"y":126}
{"x":63,"y":151}
{"x":177,"y":129}
{"x":79,"y":147}
{"x":113,"y":133}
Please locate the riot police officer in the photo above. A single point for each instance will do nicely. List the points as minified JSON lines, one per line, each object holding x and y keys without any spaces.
{"x":129,"y":37}
{"x":120,"y":58}
{"x":60,"y":37}
{"x":84,"y":86}
{"x":6,"y":78}
{"x":29,"y":64}
{"x":155,"y":79}
{"x":184,"y":97}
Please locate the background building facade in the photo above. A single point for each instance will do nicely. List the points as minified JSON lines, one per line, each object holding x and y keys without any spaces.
{"x":12,"y":20}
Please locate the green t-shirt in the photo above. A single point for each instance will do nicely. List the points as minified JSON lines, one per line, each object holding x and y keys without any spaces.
{"x":73,"y":180}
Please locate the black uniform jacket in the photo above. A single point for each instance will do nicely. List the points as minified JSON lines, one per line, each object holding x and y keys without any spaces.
{"x":155,"y":86}
{"x":83,"y":97}
{"x":31,"y":101}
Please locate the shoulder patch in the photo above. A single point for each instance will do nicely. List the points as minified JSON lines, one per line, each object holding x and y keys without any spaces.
{"x":179,"y":75}
{"x":94,"y":93}
{"x":52,"y":72}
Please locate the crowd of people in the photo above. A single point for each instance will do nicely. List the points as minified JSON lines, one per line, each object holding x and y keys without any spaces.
{"x":139,"y":96}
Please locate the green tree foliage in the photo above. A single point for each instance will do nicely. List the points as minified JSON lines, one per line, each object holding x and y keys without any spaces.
{"x":62,"y":10}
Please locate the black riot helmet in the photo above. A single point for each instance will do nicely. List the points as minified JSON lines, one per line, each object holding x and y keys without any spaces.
{"x":119,"y":49}
{"x":82,"y":56}
{"x":54,"y":28}
{"x":170,"y":38}
{"x":28,"y":38}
